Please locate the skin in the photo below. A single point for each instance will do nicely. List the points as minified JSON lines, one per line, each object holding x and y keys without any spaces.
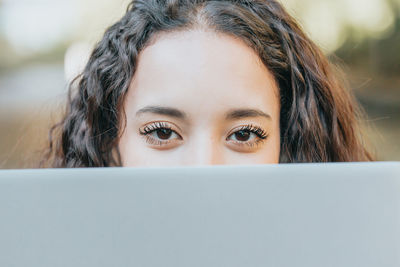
{"x":189,"y":99}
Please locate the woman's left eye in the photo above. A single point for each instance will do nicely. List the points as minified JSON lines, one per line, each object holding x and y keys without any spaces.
{"x":248,"y":135}
{"x":242,"y":136}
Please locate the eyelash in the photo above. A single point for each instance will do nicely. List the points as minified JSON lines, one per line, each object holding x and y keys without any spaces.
{"x":154,"y":127}
{"x":147,"y":130}
{"x":253,"y":129}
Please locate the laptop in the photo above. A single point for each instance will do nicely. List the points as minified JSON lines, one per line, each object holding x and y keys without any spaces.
{"x":285,"y":215}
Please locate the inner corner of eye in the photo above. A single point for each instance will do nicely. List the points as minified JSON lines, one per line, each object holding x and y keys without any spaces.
{"x":229,"y":136}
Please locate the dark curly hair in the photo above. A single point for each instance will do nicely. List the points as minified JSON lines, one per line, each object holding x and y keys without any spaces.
{"x":318,"y":118}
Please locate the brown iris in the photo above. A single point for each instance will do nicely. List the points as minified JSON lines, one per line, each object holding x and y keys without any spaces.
{"x":242,"y":135}
{"x":164,"y":133}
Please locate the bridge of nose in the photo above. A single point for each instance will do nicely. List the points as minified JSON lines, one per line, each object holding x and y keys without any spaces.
{"x":204,"y":149}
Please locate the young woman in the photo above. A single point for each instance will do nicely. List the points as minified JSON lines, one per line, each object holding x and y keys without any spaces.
{"x":178,"y":82}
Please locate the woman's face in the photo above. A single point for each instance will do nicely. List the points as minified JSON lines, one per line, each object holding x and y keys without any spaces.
{"x":200,"y":98}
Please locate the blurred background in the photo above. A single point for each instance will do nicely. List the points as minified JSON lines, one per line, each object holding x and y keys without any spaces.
{"x":45,"y":43}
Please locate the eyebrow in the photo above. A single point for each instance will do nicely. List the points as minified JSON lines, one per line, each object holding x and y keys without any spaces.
{"x":172,"y":112}
{"x":231,"y":115}
{"x":246,"y":113}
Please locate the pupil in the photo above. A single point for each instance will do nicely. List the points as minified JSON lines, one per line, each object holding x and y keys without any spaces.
{"x":164,"y":133}
{"x":242,"y":135}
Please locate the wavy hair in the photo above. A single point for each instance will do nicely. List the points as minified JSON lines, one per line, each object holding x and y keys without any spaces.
{"x":319,"y":118}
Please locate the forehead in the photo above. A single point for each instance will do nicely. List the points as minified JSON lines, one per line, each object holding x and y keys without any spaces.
{"x":201,"y":72}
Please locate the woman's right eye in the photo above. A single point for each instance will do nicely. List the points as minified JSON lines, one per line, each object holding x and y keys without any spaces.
{"x":159,"y":133}
{"x":163,"y":134}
